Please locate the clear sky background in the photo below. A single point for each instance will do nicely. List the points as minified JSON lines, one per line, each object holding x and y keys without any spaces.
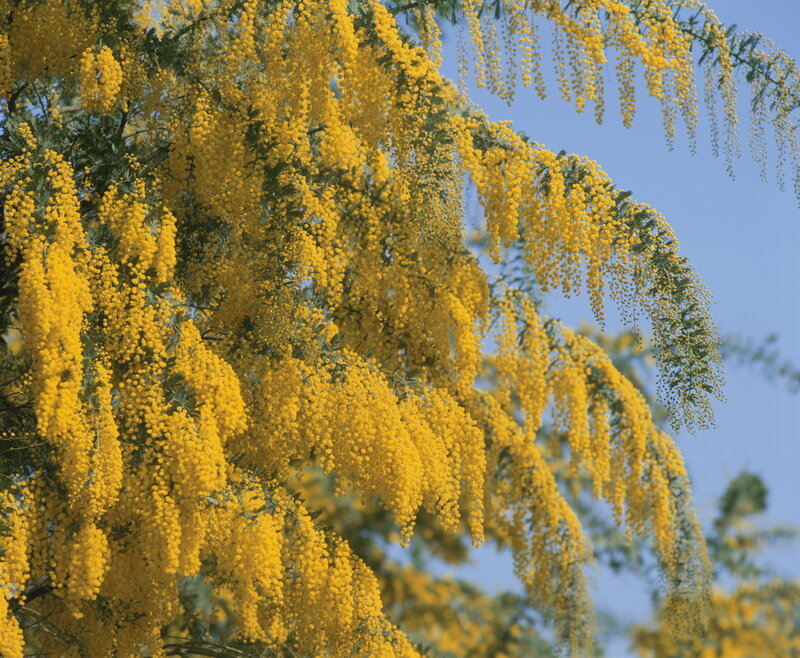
{"x":743,"y":237}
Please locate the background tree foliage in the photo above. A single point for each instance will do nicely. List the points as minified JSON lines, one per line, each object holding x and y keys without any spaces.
{"x":248,"y":348}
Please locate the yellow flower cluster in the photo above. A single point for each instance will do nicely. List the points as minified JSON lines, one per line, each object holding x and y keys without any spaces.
{"x":45,"y":37}
{"x":249,"y":547}
{"x":572,"y":231}
{"x":100,"y":78}
{"x":164,"y":406}
{"x":422,"y":449}
{"x":633,"y":467}
{"x":14,"y":571}
{"x":6,"y":66}
{"x":277,"y":566}
{"x":54,"y":298}
{"x":334,"y":593}
{"x":371,"y":126}
{"x":533,"y":517}
{"x":222,"y":178}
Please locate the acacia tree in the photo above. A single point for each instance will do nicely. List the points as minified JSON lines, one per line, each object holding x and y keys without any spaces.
{"x":233,"y":240}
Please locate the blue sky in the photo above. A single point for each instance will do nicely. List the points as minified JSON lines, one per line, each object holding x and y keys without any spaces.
{"x":742,"y":235}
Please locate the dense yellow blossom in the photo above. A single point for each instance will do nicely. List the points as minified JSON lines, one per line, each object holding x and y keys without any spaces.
{"x":46,"y":37}
{"x":237,"y":235}
{"x":100,"y":77}
{"x":14,"y":570}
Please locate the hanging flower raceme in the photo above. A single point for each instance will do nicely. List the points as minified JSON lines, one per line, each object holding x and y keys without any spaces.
{"x":100,"y":77}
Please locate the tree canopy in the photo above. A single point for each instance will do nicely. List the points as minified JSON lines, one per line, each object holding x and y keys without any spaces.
{"x":248,"y":329}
